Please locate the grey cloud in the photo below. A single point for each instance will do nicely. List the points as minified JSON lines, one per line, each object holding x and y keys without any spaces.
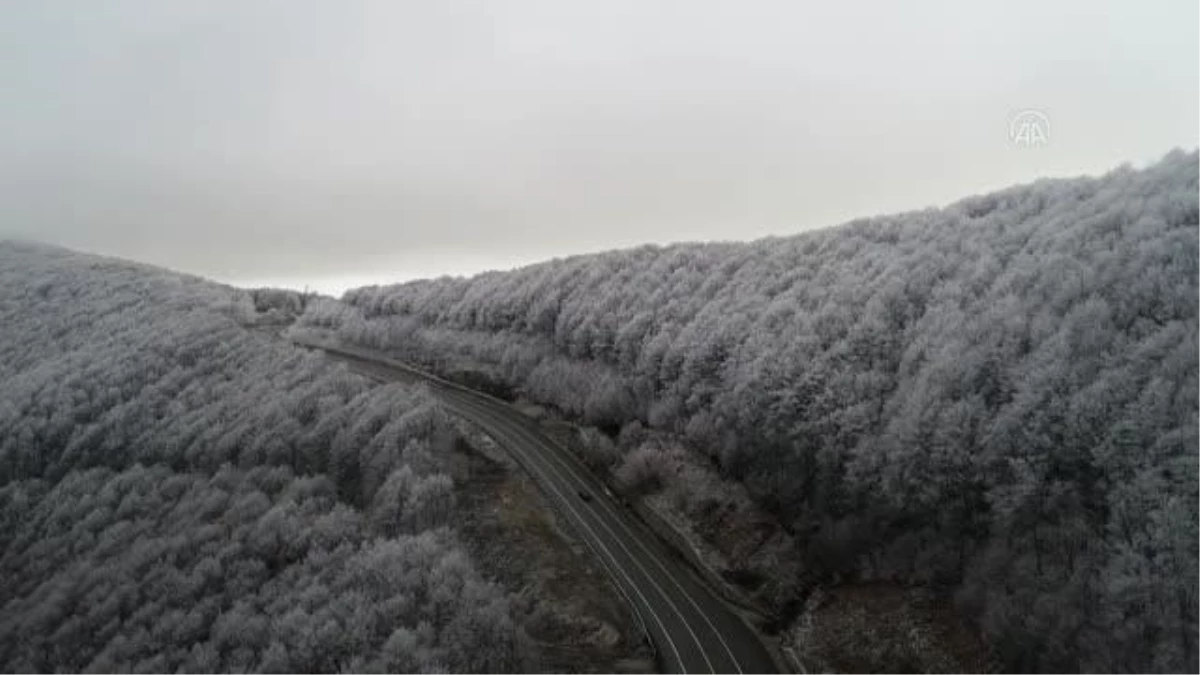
{"x":265,"y":139}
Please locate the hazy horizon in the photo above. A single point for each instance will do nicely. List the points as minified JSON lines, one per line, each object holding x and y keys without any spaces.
{"x":328,"y":145}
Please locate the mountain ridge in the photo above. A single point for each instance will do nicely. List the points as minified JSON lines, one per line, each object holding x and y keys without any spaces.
{"x":956,"y":396}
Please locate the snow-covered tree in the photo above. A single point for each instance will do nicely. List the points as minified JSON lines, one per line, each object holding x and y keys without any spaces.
{"x":961,"y":395}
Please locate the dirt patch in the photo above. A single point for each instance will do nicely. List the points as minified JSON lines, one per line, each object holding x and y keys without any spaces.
{"x":572,"y":619}
{"x":884,"y":628}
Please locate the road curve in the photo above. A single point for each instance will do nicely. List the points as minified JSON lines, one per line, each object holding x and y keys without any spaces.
{"x":692,"y":629}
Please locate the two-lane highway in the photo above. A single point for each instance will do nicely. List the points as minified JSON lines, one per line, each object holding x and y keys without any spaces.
{"x":692,"y":629}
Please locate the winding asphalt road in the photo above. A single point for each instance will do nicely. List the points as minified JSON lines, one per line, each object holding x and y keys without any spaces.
{"x":693,"y":630}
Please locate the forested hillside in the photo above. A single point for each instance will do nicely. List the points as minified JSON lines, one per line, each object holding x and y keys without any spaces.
{"x":178,"y":492}
{"x":997,"y":398}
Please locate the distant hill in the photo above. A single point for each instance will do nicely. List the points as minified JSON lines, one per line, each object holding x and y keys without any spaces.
{"x":181,"y":493}
{"x":998,"y":397}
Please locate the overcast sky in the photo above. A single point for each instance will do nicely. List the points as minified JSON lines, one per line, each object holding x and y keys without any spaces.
{"x":335,"y":143}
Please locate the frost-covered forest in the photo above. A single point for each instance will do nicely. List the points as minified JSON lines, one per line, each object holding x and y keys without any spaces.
{"x":998,"y":398}
{"x":180,"y":492}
